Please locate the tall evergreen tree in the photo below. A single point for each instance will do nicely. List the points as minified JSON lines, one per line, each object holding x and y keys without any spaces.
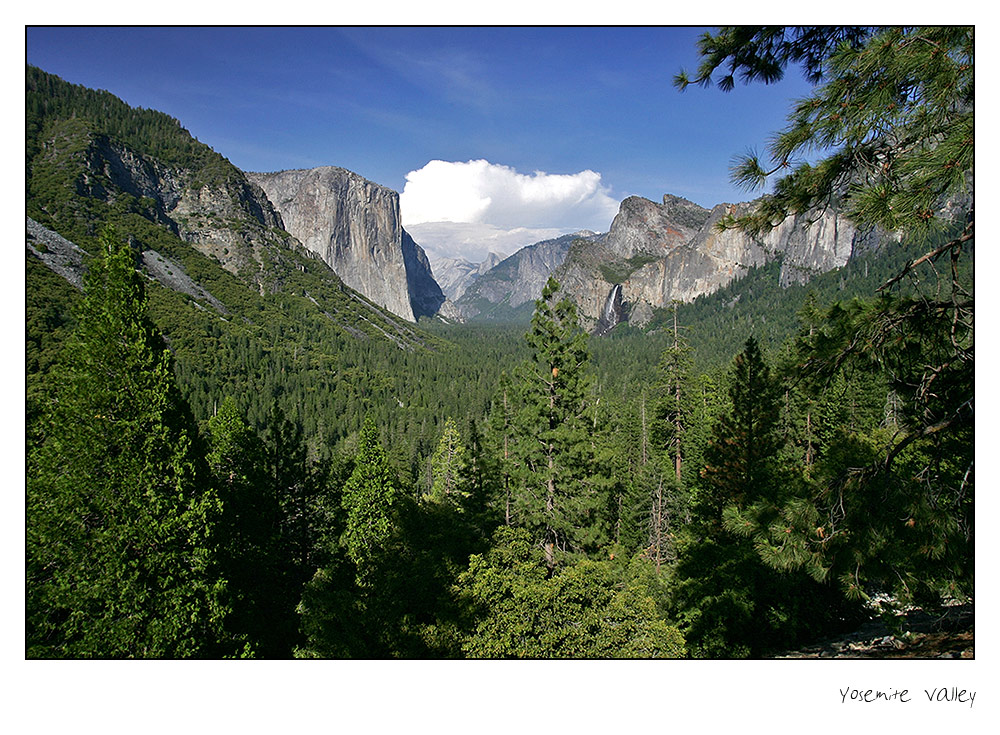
{"x":500,"y":440}
{"x":742,"y":457}
{"x":253,"y":553}
{"x":672,"y":412}
{"x":481,"y":479}
{"x":555,"y":498}
{"x":295,"y":485}
{"x":350,"y":608}
{"x":733,"y":605}
{"x":666,"y":496}
{"x":368,"y":499}
{"x":448,"y":467}
{"x":121,"y":518}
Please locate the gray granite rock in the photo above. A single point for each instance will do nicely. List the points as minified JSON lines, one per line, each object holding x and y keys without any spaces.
{"x":354,"y":225}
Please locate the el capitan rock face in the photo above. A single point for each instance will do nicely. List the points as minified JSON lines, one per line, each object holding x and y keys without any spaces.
{"x":354,"y":225}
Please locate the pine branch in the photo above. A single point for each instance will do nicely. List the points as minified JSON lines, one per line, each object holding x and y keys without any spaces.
{"x":968,"y":234}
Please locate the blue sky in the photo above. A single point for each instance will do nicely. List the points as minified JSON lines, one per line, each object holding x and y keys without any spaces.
{"x":593,"y":108}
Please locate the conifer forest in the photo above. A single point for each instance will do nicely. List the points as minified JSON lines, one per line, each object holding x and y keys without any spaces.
{"x":755,"y":470}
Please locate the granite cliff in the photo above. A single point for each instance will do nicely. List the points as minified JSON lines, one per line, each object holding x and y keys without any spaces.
{"x":354,"y":225}
{"x":213,"y":208}
{"x":659,"y":253}
{"x":198,"y":226}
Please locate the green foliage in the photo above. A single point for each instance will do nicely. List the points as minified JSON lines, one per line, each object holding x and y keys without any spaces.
{"x":121,"y":519}
{"x":633,"y":482}
{"x":742,"y":457}
{"x":49,"y":319}
{"x":49,"y":100}
{"x":367,"y":499}
{"x":895,"y":107}
{"x":555,"y":496}
{"x":895,"y":118}
{"x":761,"y":53}
{"x":892,"y":508}
{"x":730,"y":602}
{"x":593,"y":609}
{"x":619,"y":271}
{"x":448,"y":467}
{"x":259,"y":553}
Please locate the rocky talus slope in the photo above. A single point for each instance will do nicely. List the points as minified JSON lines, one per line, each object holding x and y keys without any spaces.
{"x":219,"y":213}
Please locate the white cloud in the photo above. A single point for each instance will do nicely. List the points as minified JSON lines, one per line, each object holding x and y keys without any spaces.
{"x":507,"y":206}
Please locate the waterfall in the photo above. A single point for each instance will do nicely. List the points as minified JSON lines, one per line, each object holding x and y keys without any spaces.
{"x":612,"y":313}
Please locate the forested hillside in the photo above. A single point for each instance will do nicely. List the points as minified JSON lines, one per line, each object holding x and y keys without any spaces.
{"x":298,"y":474}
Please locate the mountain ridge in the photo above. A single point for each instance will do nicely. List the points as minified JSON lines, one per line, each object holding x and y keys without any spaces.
{"x":94,"y":161}
{"x":676,"y":251}
{"x":656,"y":252}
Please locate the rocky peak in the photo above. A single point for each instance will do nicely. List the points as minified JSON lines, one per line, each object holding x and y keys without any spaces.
{"x":217,"y":211}
{"x":354,"y":225}
{"x":518,"y":279}
{"x":645,"y":227}
{"x":455,"y":275}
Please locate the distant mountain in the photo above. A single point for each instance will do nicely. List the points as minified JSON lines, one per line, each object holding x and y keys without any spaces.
{"x":654,"y":254}
{"x":454,"y":275}
{"x":91,"y":159}
{"x":354,"y":225}
{"x":509,"y":289}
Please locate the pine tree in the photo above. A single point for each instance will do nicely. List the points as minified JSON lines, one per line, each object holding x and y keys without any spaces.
{"x":894,"y":109}
{"x":500,"y":440}
{"x":554,"y":497}
{"x":368,"y":499}
{"x":121,"y":519}
{"x":732,"y":604}
{"x":295,"y":487}
{"x":448,"y":467}
{"x":481,"y":478}
{"x":671,"y":412}
{"x":254,"y":556}
{"x":741,"y":459}
{"x":667,"y":498}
